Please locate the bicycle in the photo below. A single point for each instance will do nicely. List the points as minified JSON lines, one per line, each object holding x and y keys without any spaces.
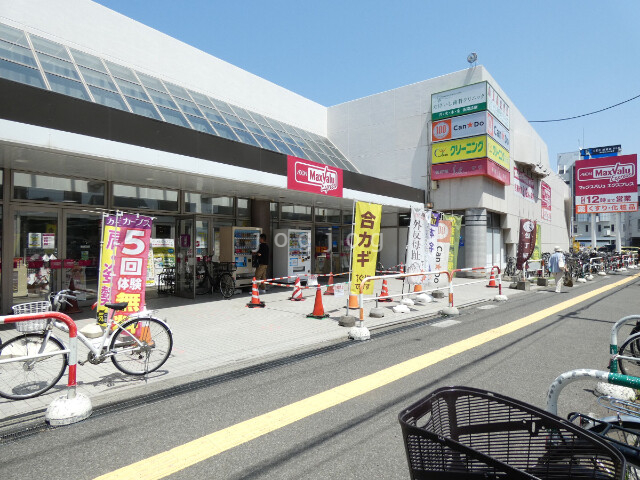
{"x":221,"y":279}
{"x":32,"y":363}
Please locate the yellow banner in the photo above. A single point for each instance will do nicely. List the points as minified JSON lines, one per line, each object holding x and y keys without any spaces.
{"x":457,"y":150}
{"x":498,"y":154}
{"x":365,"y":242}
{"x":107,"y":255}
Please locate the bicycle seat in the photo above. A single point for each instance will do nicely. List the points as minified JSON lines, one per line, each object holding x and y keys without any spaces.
{"x":117,"y":306}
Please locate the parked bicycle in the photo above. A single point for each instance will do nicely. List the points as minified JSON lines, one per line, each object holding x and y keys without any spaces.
{"x":32,"y":363}
{"x":212,"y":276}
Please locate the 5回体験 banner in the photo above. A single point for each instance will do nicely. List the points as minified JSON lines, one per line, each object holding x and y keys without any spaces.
{"x":366,"y":238}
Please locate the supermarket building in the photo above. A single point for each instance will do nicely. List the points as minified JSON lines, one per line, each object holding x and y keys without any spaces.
{"x":99,"y":112}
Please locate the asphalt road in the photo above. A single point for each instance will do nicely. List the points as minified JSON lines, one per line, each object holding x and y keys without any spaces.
{"x":357,"y":438}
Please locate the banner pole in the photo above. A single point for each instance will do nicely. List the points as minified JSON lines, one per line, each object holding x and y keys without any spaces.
{"x":353,"y":214}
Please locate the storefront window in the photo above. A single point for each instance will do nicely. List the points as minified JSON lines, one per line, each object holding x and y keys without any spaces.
{"x":328,"y":215}
{"x":296,"y":212}
{"x":273,"y":207}
{"x":203,"y":203}
{"x":83,"y":249}
{"x":243,"y":208}
{"x":347,"y":217}
{"x":130,"y":196}
{"x":44,"y":188}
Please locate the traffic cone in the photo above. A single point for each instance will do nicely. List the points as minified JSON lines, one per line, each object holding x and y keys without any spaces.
{"x":417,"y":287}
{"x":255,"y":298}
{"x":143,"y":332}
{"x":384,"y":294}
{"x":353,"y":301}
{"x":401,"y":271}
{"x":492,"y":281}
{"x":72,"y":307}
{"x":297,"y":291}
{"x":318,"y":309}
{"x":329,"y":290}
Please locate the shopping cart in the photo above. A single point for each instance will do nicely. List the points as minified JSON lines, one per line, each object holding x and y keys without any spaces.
{"x":468,"y":433}
{"x":31,"y":307}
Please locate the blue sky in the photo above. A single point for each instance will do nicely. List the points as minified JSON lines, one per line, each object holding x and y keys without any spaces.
{"x":554,"y":59}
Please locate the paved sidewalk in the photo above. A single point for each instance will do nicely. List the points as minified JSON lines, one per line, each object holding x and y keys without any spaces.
{"x":210,"y":333}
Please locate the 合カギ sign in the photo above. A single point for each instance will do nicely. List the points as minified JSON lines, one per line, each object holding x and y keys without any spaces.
{"x":545,"y":200}
{"x":608,"y":184}
{"x":365,"y":245}
{"x":459,"y":101}
{"x":123,"y":263}
{"x":523,"y":185}
{"x":307,"y":176}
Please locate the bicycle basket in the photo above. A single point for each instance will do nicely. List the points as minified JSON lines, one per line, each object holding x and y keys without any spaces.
{"x":463,"y":432}
{"x":31,"y":307}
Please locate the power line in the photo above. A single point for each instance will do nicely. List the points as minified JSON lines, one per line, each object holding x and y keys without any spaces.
{"x":585,"y":114}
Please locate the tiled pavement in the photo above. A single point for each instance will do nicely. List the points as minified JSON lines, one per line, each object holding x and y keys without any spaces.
{"x":212,"y":333}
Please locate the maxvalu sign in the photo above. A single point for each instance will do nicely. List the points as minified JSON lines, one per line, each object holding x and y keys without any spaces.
{"x":478,"y":123}
{"x":307,"y":176}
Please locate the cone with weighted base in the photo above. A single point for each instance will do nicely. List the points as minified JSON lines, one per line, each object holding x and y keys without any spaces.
{"x":318,"y":309}
{"x":384,"y":294}
{"x":353,"y":301}
{"x":492,"y":281}
{"x":255,"y":297}
{"x":297,"y":292}
{"x":329,"y":290}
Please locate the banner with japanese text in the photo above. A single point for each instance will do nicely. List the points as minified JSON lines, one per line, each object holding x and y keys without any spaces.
{"x":432,"y":242}
{"x":123,"y":263}
{"x":454,"y":246}
{"x":537,"y":250}
{"x":365,"y":245}
{"x":526,"y":243}
{"x":545,"y":200}
{"x":416,"y":260}
{"x":443,"y":245}
{"x":523,"y":185}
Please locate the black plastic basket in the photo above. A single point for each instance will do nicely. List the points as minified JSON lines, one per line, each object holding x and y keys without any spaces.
{"x":468,"y":433}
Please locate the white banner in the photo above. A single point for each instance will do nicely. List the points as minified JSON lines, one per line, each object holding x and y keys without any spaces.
{"x":417,"y":244}
{"x":523,"y":185}
{"x":432,"y":243}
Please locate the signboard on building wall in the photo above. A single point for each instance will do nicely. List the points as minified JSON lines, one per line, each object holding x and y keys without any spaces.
{"x":523,"y":185}
{"x":545,"y":200}
{"x":498,"y":154}
{"x":471,"y":168}
{"x":597,"y":152}
{"x":608,"y":184}
{"x":307,"y":176}
{"x":459,"y":101}
{"x":457,"y":150}
{"x":478,"y":123}
{"x":497,"y":106}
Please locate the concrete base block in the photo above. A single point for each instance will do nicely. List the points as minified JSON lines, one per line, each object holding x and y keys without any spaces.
{"x":513,"y":285}
{"x":406,"y":301}
{"x":450,"y":311}
{"x":347,"y":321}
{"x":500,"y":298}
{"x":65,"y":411}
{"x":376,"y":312}
{"x":616,"y":391}
{"x":359,"y":333}
{"x":543,"y":282}
{"x":589,"y":277}
{"x":437,"y":294}
{"x":524,"y":285}
{"x":424,"y":298}
{"x":400,"y":309}
{"x":602,"y":274}
{"x":582,"y":280}
{"x":623,"y":269}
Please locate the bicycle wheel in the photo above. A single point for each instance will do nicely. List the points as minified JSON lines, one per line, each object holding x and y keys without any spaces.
{"x":133,"y":359}
{"x":630,"y":348}
{"x":630,"y":437}
{"x":30,"y":378}
{"x":227,"y":285}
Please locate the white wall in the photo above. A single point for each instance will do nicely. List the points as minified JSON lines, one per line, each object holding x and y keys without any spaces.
{"x":95,"y":29}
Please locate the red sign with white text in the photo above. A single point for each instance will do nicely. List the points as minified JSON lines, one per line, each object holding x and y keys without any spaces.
{"x":471,"y":168}
{"x":545,"y":200}
{"x":608,"y":184}
{"x":307,"y":176}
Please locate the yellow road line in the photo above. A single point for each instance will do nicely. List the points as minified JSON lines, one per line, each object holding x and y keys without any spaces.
{"x":188,"y":454}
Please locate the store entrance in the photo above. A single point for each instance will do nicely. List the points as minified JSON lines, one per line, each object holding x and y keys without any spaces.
{"x":82,"y":242}
{"x":323,"y":250}
{"x":185,"y":257}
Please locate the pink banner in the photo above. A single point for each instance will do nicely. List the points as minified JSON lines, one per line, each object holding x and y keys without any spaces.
{"x":307,"y":176}
{"x":608,"y":184}
{"x":523,"y":185}
{"x":470,"y":168}
{"x":545,"y":200}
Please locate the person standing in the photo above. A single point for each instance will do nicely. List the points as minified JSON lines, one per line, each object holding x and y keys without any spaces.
{"x":262,"y":257}
{"x":557,"y":266}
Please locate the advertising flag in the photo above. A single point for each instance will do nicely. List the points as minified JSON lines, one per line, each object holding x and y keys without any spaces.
{"x":443,"y":246}
{"x":526,"y":243}
{"x":454,"y":246}
{"x":365,"y":245}
{"x":416,"y":260}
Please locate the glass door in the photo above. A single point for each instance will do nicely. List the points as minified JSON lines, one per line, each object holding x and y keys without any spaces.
{"x":37,"y":266}
{"x":82,"y":243}
{"x":185,"y":256}
{"x":323,"y":246}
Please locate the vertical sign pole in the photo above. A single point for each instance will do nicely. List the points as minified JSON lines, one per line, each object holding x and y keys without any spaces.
{"x":353,"y":215}
{"x":618,"y":233}
{"x":594,"y":242}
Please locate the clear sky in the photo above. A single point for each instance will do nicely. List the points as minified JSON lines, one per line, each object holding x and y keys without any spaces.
{"x":553,"y":58}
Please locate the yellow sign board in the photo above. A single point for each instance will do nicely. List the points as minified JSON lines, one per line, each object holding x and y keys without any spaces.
{"x":366,"y":238}
{"x":498,"y":154}
{"x":457,"y":150}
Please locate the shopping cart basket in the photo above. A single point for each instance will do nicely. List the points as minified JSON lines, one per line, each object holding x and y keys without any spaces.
{"x":31,"y":307}
{"x":468,"y":433}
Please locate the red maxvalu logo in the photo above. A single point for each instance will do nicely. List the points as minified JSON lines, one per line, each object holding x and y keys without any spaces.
{"x":324,"y":177}
{"x":613,"y":173}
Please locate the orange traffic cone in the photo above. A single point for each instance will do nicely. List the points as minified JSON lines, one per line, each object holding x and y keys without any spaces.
{"x":417,"y":287}
{"x":72,"y":307}
{"x":255,"y":298}
{"x":353,"y":301}
{"x":384,"y":294}
{"x":297,"y":291}
{"x":143,"y":332}
{"x":492,"y":281}
{"x":318,"y":309}
{"x":329,"y":290}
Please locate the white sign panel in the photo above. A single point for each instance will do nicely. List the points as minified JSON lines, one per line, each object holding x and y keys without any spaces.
{"x":416,"y":244}
{"x":498,"y":132}
{"x":459,"y":101}
{"x":523,"y":185}
{"x":497,"y":106}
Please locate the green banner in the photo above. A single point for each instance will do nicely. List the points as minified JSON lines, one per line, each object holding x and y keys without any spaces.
{"x":537,"y":255}
{"x":454,"y":245}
